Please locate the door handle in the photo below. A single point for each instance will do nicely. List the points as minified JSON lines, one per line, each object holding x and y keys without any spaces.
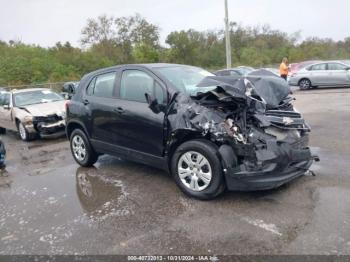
{"x":119,"y":110}
{"x":86,"y":102}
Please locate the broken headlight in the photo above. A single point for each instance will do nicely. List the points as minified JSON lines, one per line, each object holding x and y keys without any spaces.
{"x":28,"y":120}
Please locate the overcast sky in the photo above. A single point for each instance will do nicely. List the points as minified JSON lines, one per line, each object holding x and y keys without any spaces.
{"x":46,"y":22}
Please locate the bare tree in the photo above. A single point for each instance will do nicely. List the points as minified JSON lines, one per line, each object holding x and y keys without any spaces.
{"x":98,"y":30}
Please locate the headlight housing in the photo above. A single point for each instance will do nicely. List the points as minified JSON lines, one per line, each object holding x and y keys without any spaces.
{"x":28,"y":120}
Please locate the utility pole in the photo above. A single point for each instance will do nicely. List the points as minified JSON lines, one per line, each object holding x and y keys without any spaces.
{"x":228,"y":39}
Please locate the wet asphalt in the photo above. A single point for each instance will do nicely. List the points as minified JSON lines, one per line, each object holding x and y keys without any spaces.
{"x":50,"y":205}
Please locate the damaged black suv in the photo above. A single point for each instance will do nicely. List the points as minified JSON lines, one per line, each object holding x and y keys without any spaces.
{"x":209,"y":132}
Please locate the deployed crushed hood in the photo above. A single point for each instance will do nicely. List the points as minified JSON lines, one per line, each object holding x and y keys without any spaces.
{"x":45,"y":109}
{"x":240,"y":99}
{"x":259,"y":85}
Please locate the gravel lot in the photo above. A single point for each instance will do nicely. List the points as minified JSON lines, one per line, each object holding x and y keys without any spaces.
{"x":49,"y":205}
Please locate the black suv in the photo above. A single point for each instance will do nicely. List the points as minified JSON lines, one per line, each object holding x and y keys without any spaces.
{"x":210,"y":132}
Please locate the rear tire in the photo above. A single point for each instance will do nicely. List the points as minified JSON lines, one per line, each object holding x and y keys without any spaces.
{"x":305,"y":84}
{"x":197,"y":169}
{"x":81,"y":149}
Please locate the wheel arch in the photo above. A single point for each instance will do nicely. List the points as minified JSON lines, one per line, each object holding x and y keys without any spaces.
{"x":225,"y":152}
{"x":179,"y":137}
{"x":17,"y":121}
{"x":75,"y":125}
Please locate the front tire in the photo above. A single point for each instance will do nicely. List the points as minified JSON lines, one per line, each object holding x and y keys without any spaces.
{"x":81,"y":149}
{"x":197,"y":169}
{"x":23,"y":132}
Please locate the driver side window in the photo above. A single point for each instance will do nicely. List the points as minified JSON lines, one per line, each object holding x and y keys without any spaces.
{"x":4,"y":99}
{"x":135,"y":84}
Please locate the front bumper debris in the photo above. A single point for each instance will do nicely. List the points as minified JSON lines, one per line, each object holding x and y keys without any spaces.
{"x":280,"y":166}
{"x":267,"y":180}
{"x":49,"y":125}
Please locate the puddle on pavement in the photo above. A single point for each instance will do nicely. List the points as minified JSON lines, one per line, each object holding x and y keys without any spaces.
{"x":101,"y":196}
{"x":46,"y":212}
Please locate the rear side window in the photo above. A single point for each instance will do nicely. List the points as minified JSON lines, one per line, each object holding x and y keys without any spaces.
{"x":135,"y":84}
{"x":102,"y":85}
{"x":336,"y":66}
{"x":318,"y":67}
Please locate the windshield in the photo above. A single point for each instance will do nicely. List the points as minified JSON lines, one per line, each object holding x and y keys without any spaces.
{"x":186,"y":78}
{"x":36,"y":97}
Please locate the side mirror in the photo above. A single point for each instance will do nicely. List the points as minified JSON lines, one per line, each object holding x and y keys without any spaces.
{"x":69,"y":88}
{"x":6,"y":107}
{"x":153,"y":103}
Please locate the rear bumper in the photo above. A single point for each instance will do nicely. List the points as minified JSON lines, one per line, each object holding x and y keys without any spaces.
{"x":293,"y":81}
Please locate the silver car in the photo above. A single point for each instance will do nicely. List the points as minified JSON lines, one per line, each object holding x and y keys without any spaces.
{"x":326,"y":73}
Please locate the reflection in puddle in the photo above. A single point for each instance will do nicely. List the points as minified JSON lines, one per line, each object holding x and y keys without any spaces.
{"x":102,"y":196}
{"x":5,"y":181}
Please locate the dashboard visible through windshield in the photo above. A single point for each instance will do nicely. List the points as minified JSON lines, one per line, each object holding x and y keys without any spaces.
{"x":36,"y":97}
{"x":186,"y":78}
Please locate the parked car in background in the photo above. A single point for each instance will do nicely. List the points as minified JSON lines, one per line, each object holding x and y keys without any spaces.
{"x":346,"y":62}
{"x":210,"y":132}
{"x":32,"y":112}
{"x":244,"y":70}
{"x":327,"y":73}
{"x":236,"y":71}
{"x":274,"y":71}
{"x":229,"y":72}
{"x":295,"y":67}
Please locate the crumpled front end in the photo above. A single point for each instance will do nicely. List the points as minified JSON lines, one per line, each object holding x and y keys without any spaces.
{"x":45,"y":119}
{"x":270,"y":158}
{"x":49,"y":125}
{"x":262,"y":140}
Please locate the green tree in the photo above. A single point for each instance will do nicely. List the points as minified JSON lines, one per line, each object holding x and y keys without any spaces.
{"x":115,"y":38}
{"x":143,"y":53}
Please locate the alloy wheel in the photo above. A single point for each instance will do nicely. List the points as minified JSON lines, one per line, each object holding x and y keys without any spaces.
{"x":79,"y":148}
{"x":305,"y":84}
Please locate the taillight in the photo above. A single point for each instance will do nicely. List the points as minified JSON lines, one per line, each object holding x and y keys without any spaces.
{"x":66,"y":104}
